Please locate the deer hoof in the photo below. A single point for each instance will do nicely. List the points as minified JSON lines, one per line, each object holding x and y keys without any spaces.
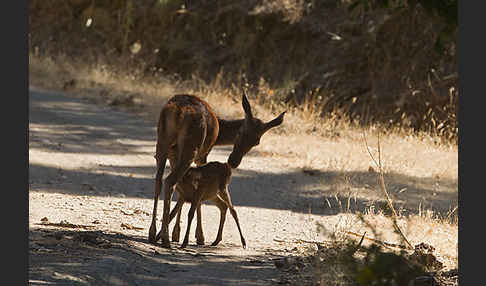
{"x":151,"y":236}
{"x":165,"y":244}
{"x":158,"y":236}
{"x":175,"y":238}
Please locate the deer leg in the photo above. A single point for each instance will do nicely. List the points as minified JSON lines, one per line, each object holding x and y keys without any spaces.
{"x":225,"y":196}
{"x":199,"y":231}
{"x":168,"y":189}
{"x":177,"y":226}
{"x":161,"y":160}
{"x":222,"y":209}
{"x":201,"y":160}
{"x":185,"y":160}
{"x":175,"y":210}
{"x":186,"y":152}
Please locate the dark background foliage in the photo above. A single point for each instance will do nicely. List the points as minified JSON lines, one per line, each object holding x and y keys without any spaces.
{"x":391,"y":62}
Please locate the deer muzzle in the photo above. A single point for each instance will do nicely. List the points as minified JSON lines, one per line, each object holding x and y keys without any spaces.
{"x":234,"y":160}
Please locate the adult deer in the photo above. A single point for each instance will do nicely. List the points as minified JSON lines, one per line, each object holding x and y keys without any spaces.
{"x":207,"y":182}
{"x":187,"y":130}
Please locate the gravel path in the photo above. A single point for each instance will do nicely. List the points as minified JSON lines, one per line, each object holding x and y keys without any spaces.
{"x":91,"y":171}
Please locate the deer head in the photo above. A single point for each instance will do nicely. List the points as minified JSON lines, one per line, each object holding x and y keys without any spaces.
{"x":250,"y":133}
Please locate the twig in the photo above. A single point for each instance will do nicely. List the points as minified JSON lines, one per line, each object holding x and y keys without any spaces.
{"x":368,"y":148}
{"x":383,"y":188}
{"x":384,"y":243}
{"x":388,"y":199}
{"x":299,"y":241}
{"x":359,"y":244}
{"x":66,"y":225}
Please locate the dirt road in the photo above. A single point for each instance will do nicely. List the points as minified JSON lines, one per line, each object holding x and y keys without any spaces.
{"x":91,"y":172}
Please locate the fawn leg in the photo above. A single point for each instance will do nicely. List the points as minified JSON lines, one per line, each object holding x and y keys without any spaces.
{"x":176,"y":231}
{"x":201,"y":160}
{"x":176,"y":210}
{"x":199,"y":230}
{"x":190,"y":216}
{"x":225,"y":196}
{"x":222,"y":209}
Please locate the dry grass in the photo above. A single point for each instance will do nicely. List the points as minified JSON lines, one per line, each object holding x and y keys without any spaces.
{"x":334,"y":148}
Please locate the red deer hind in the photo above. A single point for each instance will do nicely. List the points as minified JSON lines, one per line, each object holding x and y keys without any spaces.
{"x":187,"y":130}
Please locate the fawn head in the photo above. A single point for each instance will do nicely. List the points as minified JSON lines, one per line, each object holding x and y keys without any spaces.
{"x":250,"y":133}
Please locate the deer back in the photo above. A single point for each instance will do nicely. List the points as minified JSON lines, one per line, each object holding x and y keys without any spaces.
{"x":205,"y":180}
{"x":187,"y":120}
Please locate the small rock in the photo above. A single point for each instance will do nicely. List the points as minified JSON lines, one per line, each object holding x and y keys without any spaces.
{"x":284,"y":263}
{"x":89,"y":186}
{"x":44,"y":219}
{"x":280,"y":263}
{"x":127,"y":212}
{"x":129,"y":226}
{"x":70,"y":84}
{"x":424,"y":281}
{"x":309,"y":172}
{"x":255,"y":261}
{"x":64,"y":222}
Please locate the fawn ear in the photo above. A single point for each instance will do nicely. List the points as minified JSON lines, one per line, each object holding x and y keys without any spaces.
{"x":275,"y":122}
{"x":246,"y":106}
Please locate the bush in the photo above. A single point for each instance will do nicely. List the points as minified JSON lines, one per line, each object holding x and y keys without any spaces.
{"x":369,"y":65}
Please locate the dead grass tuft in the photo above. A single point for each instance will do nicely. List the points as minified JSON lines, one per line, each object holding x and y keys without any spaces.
{"x":331,"y":148}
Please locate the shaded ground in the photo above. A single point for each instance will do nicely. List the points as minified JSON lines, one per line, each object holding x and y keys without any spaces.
{"x":91,"y":172}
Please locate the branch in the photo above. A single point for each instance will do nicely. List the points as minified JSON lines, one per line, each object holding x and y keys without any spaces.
{"x":383,"y":243}
{"x":383,"y":188}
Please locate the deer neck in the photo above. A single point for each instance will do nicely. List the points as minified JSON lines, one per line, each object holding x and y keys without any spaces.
{"x":228,"y":130}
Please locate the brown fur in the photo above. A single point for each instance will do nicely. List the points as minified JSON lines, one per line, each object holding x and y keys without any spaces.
{"x":207,"y":182}
{"x":187,"y":130}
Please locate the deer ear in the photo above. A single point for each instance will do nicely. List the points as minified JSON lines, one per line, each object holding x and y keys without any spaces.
{"x":246,"y":106}
{"x":275,"y":122}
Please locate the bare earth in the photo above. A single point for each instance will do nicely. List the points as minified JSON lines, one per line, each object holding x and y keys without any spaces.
{"x":91,"y":171}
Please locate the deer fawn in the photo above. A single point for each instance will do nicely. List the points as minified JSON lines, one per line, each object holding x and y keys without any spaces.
{"x":187,"y":130}
{"x":206,"y":182}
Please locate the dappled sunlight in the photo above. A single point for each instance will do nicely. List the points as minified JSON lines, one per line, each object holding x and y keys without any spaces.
{"x":411,"y":157}
{"x":95,"y":163}
{"x":93,"y":167}
{"x":65,"y":124}
{"x":132,"y":257}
